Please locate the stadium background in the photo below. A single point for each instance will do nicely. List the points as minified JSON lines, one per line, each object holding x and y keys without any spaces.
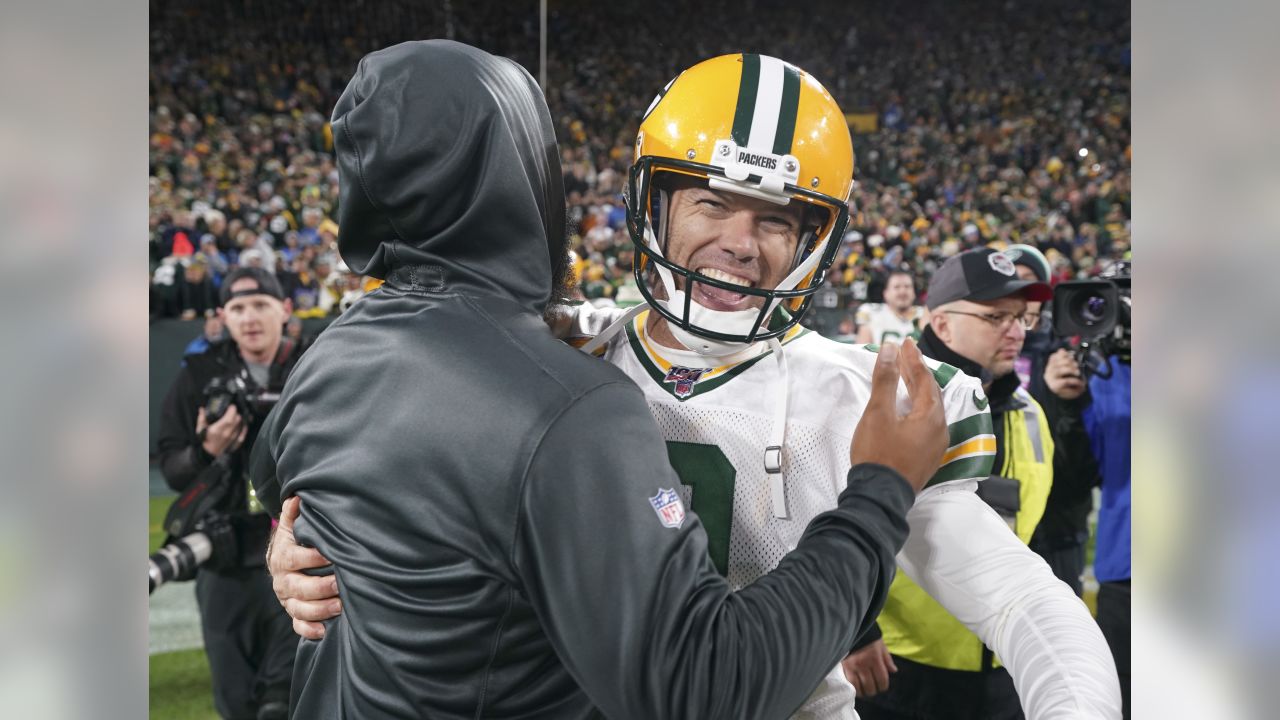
{"x":975,"y":123}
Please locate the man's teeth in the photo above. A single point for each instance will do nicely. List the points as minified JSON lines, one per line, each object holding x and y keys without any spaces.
{"x":723,"y":276}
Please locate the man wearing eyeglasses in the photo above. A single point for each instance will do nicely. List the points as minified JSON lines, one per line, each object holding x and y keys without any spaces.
{"x":979,"y":319}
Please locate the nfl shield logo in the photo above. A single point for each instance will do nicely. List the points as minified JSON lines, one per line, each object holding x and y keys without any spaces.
{"x":684,"y":378}
{"x":1002,"y":264}
{"x":669,"y":508}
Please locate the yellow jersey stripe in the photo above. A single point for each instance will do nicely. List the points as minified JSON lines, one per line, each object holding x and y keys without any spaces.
{"x":983,"y":444}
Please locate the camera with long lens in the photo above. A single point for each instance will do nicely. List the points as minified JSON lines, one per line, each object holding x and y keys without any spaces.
{"x":198,"y":532}
{"x":1099,"y":313}
{"x":178,"y":559}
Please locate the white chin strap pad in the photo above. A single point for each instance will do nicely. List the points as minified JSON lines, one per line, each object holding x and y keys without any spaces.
{"x":736,"y":322}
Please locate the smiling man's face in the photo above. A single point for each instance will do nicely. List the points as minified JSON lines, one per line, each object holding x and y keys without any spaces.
{"x":255,"y":322}
{"x":732,"y":238}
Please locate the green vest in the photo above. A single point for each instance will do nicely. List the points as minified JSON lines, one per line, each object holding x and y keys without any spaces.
{"x":916,"y":627}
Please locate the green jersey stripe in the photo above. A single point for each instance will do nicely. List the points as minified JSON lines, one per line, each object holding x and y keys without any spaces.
{"x":968,"y":428}
{"x":944,"y":373}
{"x":971,"y":467}
{"x":787,"y":114}
{"x":748,"y":86}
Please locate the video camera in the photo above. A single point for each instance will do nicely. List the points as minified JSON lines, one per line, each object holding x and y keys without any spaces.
{"x":1099,"y":313}
{"x":198,"y":531}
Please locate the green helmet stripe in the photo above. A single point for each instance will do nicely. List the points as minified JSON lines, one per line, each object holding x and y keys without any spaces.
{"x":787,"y":113}
{"x":748,"y":86}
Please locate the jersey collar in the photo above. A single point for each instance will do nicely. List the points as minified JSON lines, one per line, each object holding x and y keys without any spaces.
{"x":685,"y":374}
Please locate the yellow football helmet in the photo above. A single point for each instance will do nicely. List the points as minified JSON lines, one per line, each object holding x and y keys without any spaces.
{"x":757,"y":126}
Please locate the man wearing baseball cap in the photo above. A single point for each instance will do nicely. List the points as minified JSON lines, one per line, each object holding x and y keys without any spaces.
{"x":978,"y":321}
{"x":248,"y":638}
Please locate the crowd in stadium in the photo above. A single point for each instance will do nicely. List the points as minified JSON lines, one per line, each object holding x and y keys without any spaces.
{"x":981,"y":124}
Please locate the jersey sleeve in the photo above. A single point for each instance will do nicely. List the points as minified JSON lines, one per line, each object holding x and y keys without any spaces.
{"x":863,"y":315}
{"x":962,"y":554}
{"x":833,"y":699}
{"x":971,"y":445}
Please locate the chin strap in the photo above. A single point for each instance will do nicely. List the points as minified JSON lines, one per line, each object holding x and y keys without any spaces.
{"x":603,"y":337}
{"x":777,"y":436}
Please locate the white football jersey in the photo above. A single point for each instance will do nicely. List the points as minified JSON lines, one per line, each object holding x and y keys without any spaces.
{"x":885,"y":323}
{"x":717,"y":422}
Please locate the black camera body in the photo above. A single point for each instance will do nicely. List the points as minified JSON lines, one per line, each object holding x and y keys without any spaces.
{"x":223,"y":392}
{"x":1099,"y":313}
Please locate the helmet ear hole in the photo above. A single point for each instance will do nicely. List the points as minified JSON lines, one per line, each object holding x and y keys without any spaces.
{"x":814,"y":221}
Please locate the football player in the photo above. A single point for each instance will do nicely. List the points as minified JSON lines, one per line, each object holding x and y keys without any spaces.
{"x":897,"y":318}
{"x":743,"y":169}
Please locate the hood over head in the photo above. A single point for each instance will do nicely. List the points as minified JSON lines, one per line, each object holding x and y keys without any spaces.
{"x":449,"y":172}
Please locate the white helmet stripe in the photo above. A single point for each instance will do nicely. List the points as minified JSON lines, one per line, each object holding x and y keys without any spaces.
{"x":764,"y":120}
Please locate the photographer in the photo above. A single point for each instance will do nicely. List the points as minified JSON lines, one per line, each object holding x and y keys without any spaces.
{"x":1063,"y":532}
{"x":1051,"y":374}
{"x":1108,"y":420}
{"x":248,"y":638}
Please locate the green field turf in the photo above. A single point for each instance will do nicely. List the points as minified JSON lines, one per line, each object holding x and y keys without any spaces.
{"x":180,"y":687}
{"x":179,"y":681}
{"x":156,"y":510}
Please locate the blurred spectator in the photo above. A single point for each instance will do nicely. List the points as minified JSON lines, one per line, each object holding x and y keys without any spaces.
{"x":898,"y":318}
{"x":196,"y":293}
{"x":329,"y":282}
{"x":214,"y":331}
{"x":217,"y":264}
{"x":310,"y":232}
{"x":164,"y":289}
{"x":353,"y":290}
{"x":216,"y":227}
{"x":290,"y":249}
{"x":293,"y":329}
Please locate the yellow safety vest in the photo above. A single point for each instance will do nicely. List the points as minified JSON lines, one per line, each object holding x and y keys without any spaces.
{"x":914,"y":625}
